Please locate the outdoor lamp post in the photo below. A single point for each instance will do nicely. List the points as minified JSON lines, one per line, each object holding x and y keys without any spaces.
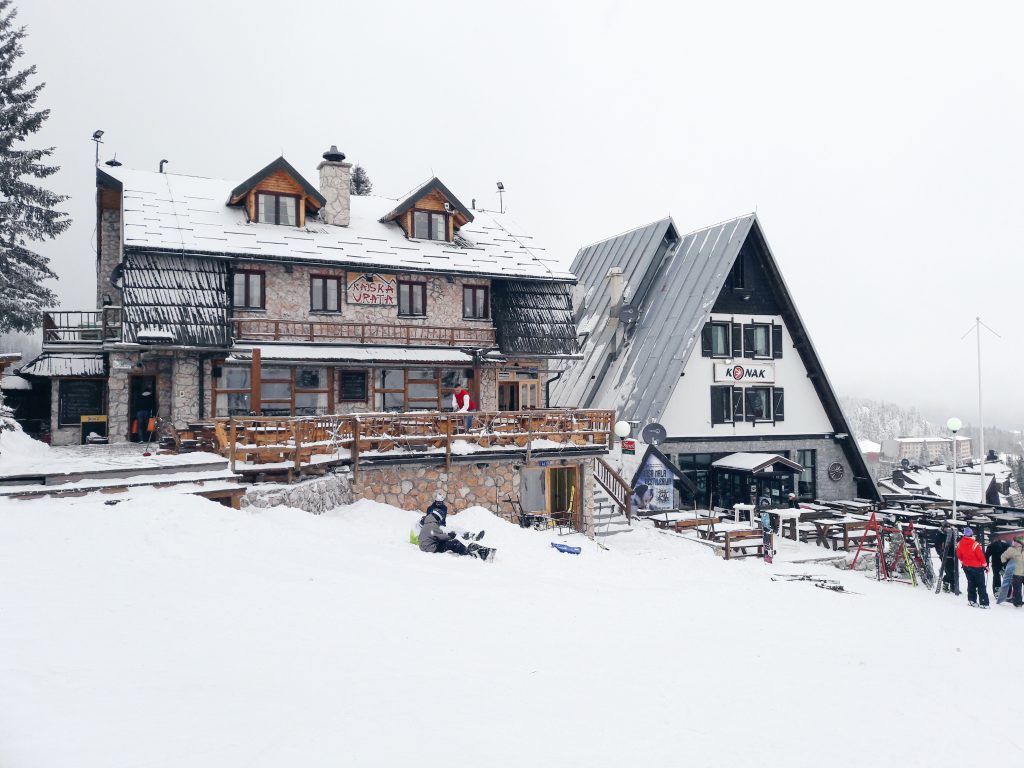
{"x":622,"y":429}
{"x":953,"y":425}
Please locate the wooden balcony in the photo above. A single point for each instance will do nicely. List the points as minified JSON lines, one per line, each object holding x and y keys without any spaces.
{"x":263,"y":329}
{"x":294,"y":444}
{"x":82,"y":327}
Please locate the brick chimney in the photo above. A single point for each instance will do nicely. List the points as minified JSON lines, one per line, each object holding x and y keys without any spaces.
{"x":335,"y":186}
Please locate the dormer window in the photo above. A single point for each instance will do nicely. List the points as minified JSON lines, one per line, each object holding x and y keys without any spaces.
{"x":429,"y":226}
{"x":277,"y":209}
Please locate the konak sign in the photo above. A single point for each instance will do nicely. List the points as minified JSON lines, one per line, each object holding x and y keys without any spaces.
{"x":744,"y":373}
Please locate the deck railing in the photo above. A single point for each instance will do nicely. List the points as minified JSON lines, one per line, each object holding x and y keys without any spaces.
{"x":615,"y":486}
{"x":82,"y":327}
{"x":285,"y":442}
{"x":263,"y":329}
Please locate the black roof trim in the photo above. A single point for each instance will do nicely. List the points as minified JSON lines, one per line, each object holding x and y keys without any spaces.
{"x":280,"y":165}
{"x":433,"y":185}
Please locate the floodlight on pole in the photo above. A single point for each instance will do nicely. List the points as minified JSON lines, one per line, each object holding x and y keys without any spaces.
{"x":97,"y":137}
{"x":501,"y":198}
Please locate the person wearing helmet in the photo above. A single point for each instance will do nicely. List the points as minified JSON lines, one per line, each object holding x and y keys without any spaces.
{"x":432,"y":535}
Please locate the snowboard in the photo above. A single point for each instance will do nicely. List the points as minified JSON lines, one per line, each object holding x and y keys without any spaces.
{"x":947,"y":548}
{"x":565,"y":548}
{"x":766,"y":536}
{"x":486,"y":554}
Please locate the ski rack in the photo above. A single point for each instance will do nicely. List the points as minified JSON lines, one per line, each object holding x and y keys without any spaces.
{"x":873,"y":527}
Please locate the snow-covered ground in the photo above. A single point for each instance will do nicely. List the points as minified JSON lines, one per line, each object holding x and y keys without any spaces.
{"x":170,"y":631}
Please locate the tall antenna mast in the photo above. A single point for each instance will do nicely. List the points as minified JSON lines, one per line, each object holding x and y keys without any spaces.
{"x":976,"y":328}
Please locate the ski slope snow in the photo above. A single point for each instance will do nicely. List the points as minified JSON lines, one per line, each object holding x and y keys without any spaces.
{"x":170,"y":631}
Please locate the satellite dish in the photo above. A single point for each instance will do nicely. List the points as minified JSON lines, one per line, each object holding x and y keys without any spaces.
{"x":905,"y":463}
{"x":654,"y":434}
{"x":628,"y":314}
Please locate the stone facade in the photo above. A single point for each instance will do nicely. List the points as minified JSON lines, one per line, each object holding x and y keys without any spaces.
{"x":465,"y":485}
{"x":288,"y":298}
{"x":335,"y":186}
{"x":315,"y":496}
{"x":109,"y":255}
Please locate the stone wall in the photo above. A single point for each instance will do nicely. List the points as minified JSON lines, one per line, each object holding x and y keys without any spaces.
{"x":316,"y":496}
{"x":109,"y":255}
{"x":464,"y":485}
{"x":287,"y":297}
{"x":335,"y":186}
{"x":185,"y":389}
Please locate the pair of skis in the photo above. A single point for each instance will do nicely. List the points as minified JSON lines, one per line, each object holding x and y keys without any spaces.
{"x":947,"y":551}
{"x":821,"y":582}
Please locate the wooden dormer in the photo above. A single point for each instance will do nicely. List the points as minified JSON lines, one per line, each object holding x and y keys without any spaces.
{"x":427,"y":210}
{"x":268,"y":194}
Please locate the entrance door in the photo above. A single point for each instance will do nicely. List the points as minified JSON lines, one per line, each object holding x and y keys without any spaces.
{"x":142,"y":406}
{"x":508,"y":396}
{"x":563,"y":495}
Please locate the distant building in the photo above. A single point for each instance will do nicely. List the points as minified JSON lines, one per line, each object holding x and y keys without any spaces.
{"x":872,"y":453}
{"x":925,"y":451}
{"x":937,"y":480}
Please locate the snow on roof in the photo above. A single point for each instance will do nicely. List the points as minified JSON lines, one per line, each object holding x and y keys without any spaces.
{"x":869,"y":446}
{"x":10,"y":357}
{"x":361,"y":354}
{"x":53,"y":364}
{"x":925,"y":439}
{"x":165,"y":211}
{"x":9,"y":382}
{"x":754,"y":462}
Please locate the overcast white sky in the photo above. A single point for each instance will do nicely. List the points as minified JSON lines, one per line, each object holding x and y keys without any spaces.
{"x":880,"y":146}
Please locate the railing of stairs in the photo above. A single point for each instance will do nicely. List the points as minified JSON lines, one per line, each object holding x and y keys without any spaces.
{"x":613,"y":484}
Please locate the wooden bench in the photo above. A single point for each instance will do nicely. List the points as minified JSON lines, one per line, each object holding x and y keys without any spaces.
{"x":685,"y":525}
{"x":741,"y":541}
{"x":852,"y":533}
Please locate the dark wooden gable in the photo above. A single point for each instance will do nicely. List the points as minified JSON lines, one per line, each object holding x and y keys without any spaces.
{"x":756,"y":295}
{"x":533,"y":317}
{"x":430,"y":196}
{"x":279,"y":177}
{"x":184,"y":296}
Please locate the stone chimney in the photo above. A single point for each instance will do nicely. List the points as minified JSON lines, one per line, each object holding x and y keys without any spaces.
{"x":335,"y":186}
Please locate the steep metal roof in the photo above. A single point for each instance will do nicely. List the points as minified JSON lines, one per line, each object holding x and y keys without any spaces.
{"x":682,"y":289}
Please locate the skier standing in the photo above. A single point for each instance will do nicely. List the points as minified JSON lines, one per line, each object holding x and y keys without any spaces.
{"x":1014,"y":573}
{"x":993,"y":553}
{"x":972,"y":558}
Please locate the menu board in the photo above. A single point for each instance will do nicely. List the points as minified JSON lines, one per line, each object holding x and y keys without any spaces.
{"x":353,"y":386}
{"x":78,"y":398}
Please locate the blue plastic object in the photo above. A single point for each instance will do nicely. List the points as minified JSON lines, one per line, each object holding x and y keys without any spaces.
{"x":566,"y":548}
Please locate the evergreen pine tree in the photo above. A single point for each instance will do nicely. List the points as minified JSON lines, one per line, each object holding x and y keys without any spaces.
{"x":361,"y":184}
{"x":27,"y":211}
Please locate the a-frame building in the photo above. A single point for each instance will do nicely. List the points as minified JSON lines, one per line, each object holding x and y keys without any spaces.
{"x":700,"y":334}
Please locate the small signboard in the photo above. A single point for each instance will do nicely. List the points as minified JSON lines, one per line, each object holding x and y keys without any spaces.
{"x":629,"y":446}
{"x":745,"y":373}
{"x":653,"y":487}
{"x":371,"y":288}
{"x":94,"y":430}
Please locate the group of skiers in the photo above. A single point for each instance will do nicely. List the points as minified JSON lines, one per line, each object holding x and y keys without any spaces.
{"x":1005,"y":560}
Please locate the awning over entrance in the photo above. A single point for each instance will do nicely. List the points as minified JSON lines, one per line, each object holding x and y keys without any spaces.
{"x":392,"y":355}
{"x":65,"y":364}
{"x":757,"y":463}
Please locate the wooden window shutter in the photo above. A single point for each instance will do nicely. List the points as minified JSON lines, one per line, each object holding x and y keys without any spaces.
{"x":778,"y":404}
{"x":705,"y":340}
{"x":716,"y":405}
{"x":748,"y":341}
{"x":737,"y":340}
{"x":737,"y":404}
{"x":776,"y":341}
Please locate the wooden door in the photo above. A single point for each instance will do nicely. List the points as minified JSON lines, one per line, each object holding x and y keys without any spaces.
{"x":564,"y":500}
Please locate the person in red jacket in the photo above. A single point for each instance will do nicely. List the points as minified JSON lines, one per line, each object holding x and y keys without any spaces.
{"x":463,"y":403}
{"x":972,"y":558}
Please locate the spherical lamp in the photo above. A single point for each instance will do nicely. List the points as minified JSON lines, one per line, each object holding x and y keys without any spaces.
{"x":622,"y":429}
{"x":954,"y":424}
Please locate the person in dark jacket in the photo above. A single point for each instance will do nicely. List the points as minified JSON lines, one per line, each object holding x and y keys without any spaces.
{"x":949,"y":567}
{"x":432,"y":535}
{"x":994,"y":555}
{"x":972,"y":557}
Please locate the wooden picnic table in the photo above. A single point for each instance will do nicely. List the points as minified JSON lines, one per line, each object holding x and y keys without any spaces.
{"x":823,"y":528}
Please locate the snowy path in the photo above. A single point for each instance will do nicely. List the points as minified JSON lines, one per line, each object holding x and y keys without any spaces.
{"x":175,"y":632}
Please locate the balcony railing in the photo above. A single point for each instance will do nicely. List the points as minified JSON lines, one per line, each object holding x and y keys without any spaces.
{"x":266,"y":443}
{"x":86,"y":327}
{"x":263,"y":329}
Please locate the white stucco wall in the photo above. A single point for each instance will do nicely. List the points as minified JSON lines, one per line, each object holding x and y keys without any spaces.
{"x":688,"y":413}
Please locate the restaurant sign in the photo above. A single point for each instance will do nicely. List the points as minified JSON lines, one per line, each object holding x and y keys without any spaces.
{"x":745,"y":373}
{"x":371,"y":288}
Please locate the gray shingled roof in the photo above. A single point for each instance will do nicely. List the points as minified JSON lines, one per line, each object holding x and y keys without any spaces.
{"x":674,"y":300}
{"x":533,"y":317}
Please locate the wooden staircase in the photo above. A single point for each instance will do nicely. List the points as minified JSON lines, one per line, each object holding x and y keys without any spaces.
{"x":612,"y":504}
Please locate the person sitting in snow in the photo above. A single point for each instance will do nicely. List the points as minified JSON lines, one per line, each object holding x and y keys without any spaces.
{"x":432,"y":535}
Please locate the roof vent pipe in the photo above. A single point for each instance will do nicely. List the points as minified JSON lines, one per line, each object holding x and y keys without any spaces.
{"x":616,"y":289}
{"x":162,"y":163}
{"x":333,"y":155}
